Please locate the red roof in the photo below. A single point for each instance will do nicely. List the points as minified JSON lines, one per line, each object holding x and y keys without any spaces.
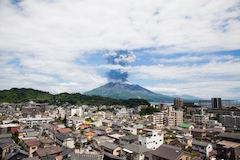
{"x":64,"y":130}
{"x":32,"y":142}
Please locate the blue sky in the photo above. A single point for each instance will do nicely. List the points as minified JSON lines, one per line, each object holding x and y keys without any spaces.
{"x":177,"y":47}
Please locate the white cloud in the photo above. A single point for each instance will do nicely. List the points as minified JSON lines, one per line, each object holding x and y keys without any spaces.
{"x":207,"y":80}
{"x":193,"y":59}
{"x":50,"y":28}
{"x":46,"y":37}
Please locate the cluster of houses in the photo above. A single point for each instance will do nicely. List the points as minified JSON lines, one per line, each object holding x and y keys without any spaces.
{"x":40,"y":131}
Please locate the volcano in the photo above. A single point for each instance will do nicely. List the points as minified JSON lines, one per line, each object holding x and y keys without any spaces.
{"x":123,"y":90}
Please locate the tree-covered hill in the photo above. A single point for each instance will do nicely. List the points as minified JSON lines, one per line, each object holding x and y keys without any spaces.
{"x":16,"y":95}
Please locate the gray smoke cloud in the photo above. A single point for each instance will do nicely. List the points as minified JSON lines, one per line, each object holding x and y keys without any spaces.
{"x":122,"y":58}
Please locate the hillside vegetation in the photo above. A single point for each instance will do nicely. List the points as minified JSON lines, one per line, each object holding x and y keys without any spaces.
{"x":16,"y":95}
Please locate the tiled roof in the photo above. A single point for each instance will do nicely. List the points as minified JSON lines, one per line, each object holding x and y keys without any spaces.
{"x":200,"y":143}
{"x":32,"y":142}
{"x":167,"y":152}
{"x":109,"y":145}
{"x":64,"y":130}
{"x":42,"y":152}
{"x":136,"y":148}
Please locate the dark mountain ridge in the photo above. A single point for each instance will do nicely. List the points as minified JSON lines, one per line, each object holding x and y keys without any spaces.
{"x":120,"y":90}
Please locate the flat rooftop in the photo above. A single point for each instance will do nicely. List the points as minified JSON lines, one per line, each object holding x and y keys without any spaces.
{"x":229,"y":144}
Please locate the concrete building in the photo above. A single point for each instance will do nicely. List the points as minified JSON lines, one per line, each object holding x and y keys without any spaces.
{"x":178,"y":102}
{"x":151,"y":139}
{"x":31,"y":111}
{"x":230,"y":121}
{"x":167,"y":118}
{"x":74,"y":121}
{"x":157,"y":120}
{"x":61,"y":112}
{"x":32,"y":122}
{"x":200,"y":118}
{"x":202,"y":147}
{"x":77,"y":111}
{"x":178,"y":117}
{"x":173,"y":117}
{"x":216,"y":103}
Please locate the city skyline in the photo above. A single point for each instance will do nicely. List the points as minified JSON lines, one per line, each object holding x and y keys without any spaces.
{"x":61,"y":46}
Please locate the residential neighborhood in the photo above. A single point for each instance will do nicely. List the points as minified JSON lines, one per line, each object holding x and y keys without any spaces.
{"x":174,"y":132}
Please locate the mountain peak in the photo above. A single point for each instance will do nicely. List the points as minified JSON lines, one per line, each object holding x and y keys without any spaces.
{"x":125,"y":90}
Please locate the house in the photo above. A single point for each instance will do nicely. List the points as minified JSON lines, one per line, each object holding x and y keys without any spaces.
{"x":18,"y":154}
{"x":202,"y":147}
{"x":77,"y":156}
{"x":234,"y":137}
{"x":228,"y":150}
{"x":31,"y":146}
{"x":65,"y":139}
{"x":128,"y":139}
{"x":135,"y":151}
{"x":64,"y":130}
{"x":89,"y":134}
{"x":7,"y":145}
{"x":65,"y":153}
{"x":186,"y":126}
{"x":107,"y":122}
{"x":9,"y":128}
{"x":101,"y":139}
{"x":25,"y":133}
{"x":105,"y":129}
{"x":151,"y":139}
{"x":111,"y":148}
{"x":168,"y":152}
{"x":130,"y":130}
{"x":199,"y":133}
{"x":50,"y":152}
{"x":46,"y":142}
{"x":74,"y":121}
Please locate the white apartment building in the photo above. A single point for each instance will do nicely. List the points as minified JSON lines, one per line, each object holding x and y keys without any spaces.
{"x":74,"y":121}
{"x":61,"y":112}
{"x":151,"y":139}
{"x":77,"y":111}
{"x":31,"y":122}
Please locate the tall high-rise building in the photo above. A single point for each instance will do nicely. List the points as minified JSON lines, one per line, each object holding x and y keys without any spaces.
{"x":216,"y":103}
{"x":178,"y":102}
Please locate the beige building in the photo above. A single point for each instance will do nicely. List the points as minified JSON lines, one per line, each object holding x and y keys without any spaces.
{"x":31,"y":146}
{"x":168,"y":118}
